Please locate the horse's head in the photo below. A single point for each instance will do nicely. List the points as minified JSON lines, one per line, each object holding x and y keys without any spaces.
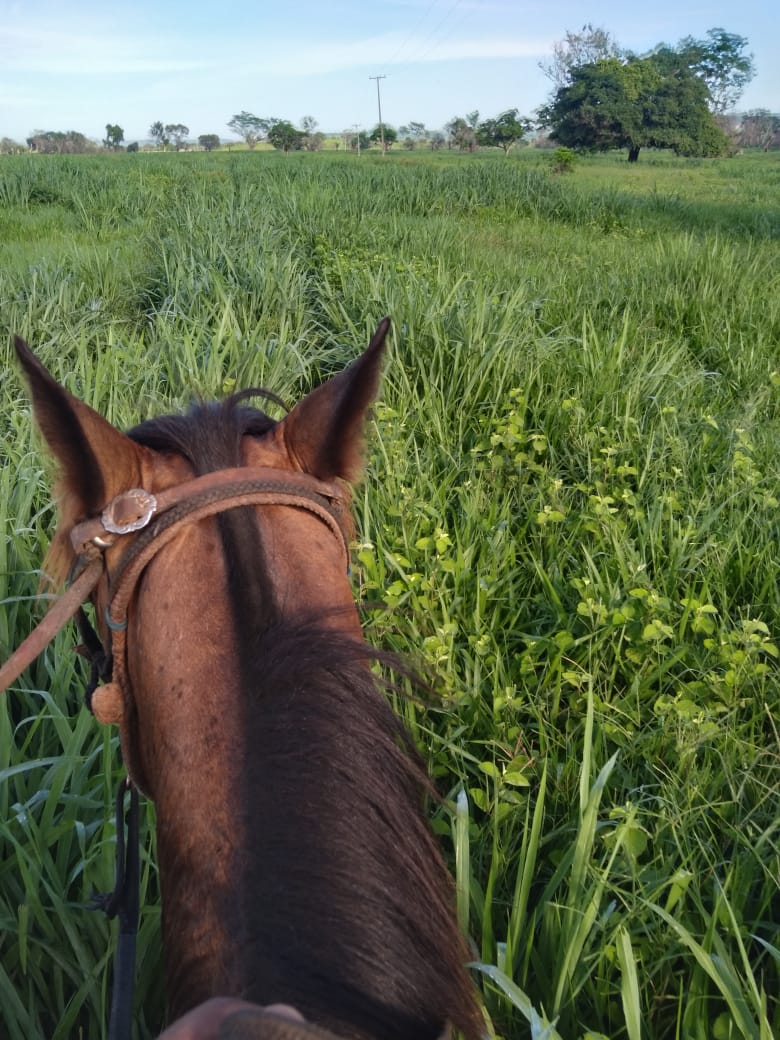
{"x":260,"y":566}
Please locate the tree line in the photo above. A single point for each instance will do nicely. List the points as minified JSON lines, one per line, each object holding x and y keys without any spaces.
{"x":603,"y":97}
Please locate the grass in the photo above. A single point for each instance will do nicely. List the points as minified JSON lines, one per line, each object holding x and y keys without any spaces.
{"x":570,"y":515}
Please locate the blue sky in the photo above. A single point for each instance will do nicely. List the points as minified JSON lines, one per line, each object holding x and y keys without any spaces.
{"x":79,"y":65}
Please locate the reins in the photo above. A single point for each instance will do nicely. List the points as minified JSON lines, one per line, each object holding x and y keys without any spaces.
{"x":158,"y":518}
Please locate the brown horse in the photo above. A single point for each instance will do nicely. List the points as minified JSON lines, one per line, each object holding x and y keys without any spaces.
{"x":296,"y":863}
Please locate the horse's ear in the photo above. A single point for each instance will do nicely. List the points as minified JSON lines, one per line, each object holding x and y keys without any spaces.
{"x":97,"y":460}
{"x":324,"y":431}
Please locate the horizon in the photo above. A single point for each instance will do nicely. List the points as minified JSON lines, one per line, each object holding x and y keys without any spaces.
{"x":95,"y":64}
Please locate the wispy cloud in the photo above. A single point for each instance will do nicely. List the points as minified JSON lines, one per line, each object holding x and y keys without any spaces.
{"x":56,"y":50}
{"x":60,"y":51}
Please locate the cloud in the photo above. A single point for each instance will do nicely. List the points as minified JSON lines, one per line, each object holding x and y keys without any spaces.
{"x":111,"y":51}
{"x":58,"y":51}
{"x":379,"y":52}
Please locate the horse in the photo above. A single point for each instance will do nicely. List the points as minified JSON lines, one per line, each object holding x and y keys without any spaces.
{"x":295,"y":859}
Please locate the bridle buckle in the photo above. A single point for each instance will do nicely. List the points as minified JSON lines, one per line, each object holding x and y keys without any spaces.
{"x":128,"y":512}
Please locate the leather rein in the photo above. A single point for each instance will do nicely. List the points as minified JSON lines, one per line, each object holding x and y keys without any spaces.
{"x":150,"y":521}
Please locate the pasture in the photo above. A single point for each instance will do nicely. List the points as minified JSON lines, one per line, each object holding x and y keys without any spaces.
{"x":569,"y":520}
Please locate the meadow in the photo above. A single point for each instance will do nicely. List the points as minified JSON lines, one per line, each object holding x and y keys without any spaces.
{"x":569,"y":521}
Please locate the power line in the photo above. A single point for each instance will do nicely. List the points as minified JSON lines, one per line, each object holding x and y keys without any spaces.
{"x":412,"y":31}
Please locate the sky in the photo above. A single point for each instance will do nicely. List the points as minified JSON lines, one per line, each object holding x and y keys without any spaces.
{"x":79,"y":64}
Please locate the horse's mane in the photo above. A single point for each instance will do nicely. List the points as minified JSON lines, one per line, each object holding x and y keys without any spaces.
{"x":348,"y":903}
{"x":351,"y":916}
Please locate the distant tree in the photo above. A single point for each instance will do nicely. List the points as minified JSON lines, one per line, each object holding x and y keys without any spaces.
{"x":412,"y":134}
{"x":209,"y":142}
{"x":720,"y":61}
{"x":251,"y":127}
{"x":158,"y":133}
{"x":585,"y":47}
{"x":59,"y":142}
{"x":9,"y":147}
{"x":759,"y":128}
{"x":312,"y":139}
{"x":437,"y":140}
{"x":114,"y":136}
{"x":461,"y":134}
{"x":504,"y":131}
{"x":285,"y":137}
{"x":389,"y":133}
{"x":359,"y":141}
{"x":133,"y":146}
{"x":653,"y":102}
{"x":178,"y":133}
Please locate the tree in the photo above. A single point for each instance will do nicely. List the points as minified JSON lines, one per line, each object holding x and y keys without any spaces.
{"x":504,"y":131}
{"x":252,"y":128}
{"x":158,"y":132}
{"x":114,"y":136}
{"x":178,"y":133}
{"x":209,"y":142}
{"x":285,"y":137}
{"x":59,"y":142}
{"x":312,"y":139}
{"x":461,"y":134}
{"x":585,"y":47}
{"x":384,"y":130}
{"x":133,"y":146}
{"x":10,"y":147}
{"x":359,"y":142}
{"x":721,"y":62}
{"x":760,"y":128}
{"x":654,"y":102}
{"x":314,"y":142}
{"x":412,"y":134}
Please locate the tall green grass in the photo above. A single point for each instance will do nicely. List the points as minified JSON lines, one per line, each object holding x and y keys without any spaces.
{"x":570,"y":516}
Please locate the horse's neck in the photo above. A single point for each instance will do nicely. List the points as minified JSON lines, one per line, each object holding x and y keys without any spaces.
{"x":199,"y":839}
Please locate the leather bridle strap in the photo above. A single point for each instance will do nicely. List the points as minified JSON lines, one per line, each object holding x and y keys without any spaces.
{"x":134,"y":510}
{"x":198,"y":506}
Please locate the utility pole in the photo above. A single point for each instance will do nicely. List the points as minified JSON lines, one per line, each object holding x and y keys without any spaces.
{"x":379,"y":106}
{"x":356,"y":128}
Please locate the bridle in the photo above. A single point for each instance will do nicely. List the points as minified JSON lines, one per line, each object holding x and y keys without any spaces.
{"x":156,"y":519}
{"x":159,"y":516}
{"x":149,"y":522}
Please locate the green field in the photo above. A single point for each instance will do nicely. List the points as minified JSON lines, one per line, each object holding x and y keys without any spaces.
{"x":570,"y":517}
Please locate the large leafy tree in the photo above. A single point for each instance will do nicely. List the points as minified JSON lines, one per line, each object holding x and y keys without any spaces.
{"x":504,"y":131}
{"x":653,"y":102}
